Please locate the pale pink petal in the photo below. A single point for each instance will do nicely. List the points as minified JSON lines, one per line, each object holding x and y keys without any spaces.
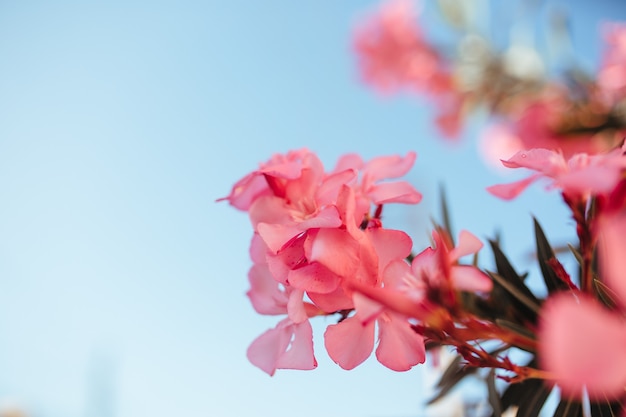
{"x":399,"y":347}
{"x":276,"y":236}
{"x":583,"y":344}
{"x":592,"y":179}
{"x":368,"y":310}
{"x":329,"y":189}
{"x":265,"y":351}
{"x":269,"y":209}
{"x":389,"y":245}
{"x":466,"y":245}
{"x":335,"y":249}
{"x":349,"y":342}
{"x":400,"y":302}
{"x":386,"y":167}
{"x":333,"y":301}
{"x":246,"y":190}
{"x":546,"y":161}
{"x":327,"y":217}
{"x":299,"y":355}
{"x":265,"y":294}
{"x":314,"y":277}
{"x":258,"y":249}
{"x":287,"y":170}
{"x":512,"y":190}
{"x":295,"y":306}
{"x":396,"y":274}
{"x":349,"y":161}
{"x":469,"y":278}
{"x":394,"y":192}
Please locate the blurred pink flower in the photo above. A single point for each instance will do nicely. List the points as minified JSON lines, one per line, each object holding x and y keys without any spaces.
{"x":582,"y":342}
{"x":580,"y":175}
{"x":612,"y":73}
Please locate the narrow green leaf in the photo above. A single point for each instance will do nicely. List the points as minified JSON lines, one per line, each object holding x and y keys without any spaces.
{"x":520,"y":330}
{"x":569,"y":408}
{"x":576,"y":254}
{"x":544,"y":254}
{"x":445,"y":213}
{"x":534,"y":402}
{"x":606,"y":409}
{"x":524,"y":297}
{"x":606,"y":295}
{"x":454,"y":374}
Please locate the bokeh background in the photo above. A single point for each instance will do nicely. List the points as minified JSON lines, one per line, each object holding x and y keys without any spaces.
{"x":122,"y":281}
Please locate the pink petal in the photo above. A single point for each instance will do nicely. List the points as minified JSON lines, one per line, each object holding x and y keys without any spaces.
{"x":389,"y":245}
{"x":349,"y":161}
{"x":546,"y":161}
{"x":349,"y":342}
{"x":385,"y":167}
{"x":512,"y":190}
{"x":265,"y":350}
{"x":299,"y":355}
{"x":583,"y":344}
{"x":467,"y":244}
{"x":329,"y":190}
{"x":246,"y":190}
{"x":592,"y":179}
{"x":327,"y":217}
{"x":265,"y":294}
{"x":276,"y":236}
{"x":314,"y":277}
{"x":333,"y":301}
{"x":469,"y":278}
{"x":295,"y":306}
{"x":400,"y":347}
{"x":335,"y":249}
{"x":394,"y":192}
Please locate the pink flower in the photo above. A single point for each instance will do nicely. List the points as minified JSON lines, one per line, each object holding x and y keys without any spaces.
{"x":580,"y":175}
{"x":393,"y":53}
{"x":583,"y":343}
{"x":612,"y":72}
{"x":409,"y":289}
{"x":351,"y":341}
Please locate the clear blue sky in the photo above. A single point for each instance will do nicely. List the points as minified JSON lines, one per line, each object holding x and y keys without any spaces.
{"x":121,"y":280}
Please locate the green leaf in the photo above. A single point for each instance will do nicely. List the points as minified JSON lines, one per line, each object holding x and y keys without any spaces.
{"x":544,"y":254}
{"x":515,"y":328}
{"x":534,"y":400}
{"x":520,"y":293}
{"x":606,"y":409}
{"x":606,"y":295}
{"x":502,"y":299}
{"x":569,"y":408}
{"x":454,"y":373}
{"x":445,"y":213}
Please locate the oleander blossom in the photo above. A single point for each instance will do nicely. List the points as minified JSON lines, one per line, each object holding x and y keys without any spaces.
{"x":582,"y":341}
{"x":581,"y":175}
{"x":394,"y":55}
{"x":313,"y":232}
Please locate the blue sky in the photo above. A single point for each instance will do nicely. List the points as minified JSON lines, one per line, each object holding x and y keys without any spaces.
{"x":122,"y":282}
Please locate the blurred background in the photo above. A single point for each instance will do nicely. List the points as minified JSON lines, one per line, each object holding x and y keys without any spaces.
{"x":122,"y":281}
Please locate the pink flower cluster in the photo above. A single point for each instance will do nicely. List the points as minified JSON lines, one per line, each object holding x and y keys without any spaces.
{"x":314,"y":235}
{"x":394,"y":55}
{"x":319,"y":248}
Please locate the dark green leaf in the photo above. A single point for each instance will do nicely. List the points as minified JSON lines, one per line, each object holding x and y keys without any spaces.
{"x":544,"y":254}
{"x":445,"y":213}
{"x":606,"y":409}
{"x":520,"y":293}
{"x":520,"y":330}
{"x":455,"y":372}
{"x":569,"y":408}
{"x":534,"y":400}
